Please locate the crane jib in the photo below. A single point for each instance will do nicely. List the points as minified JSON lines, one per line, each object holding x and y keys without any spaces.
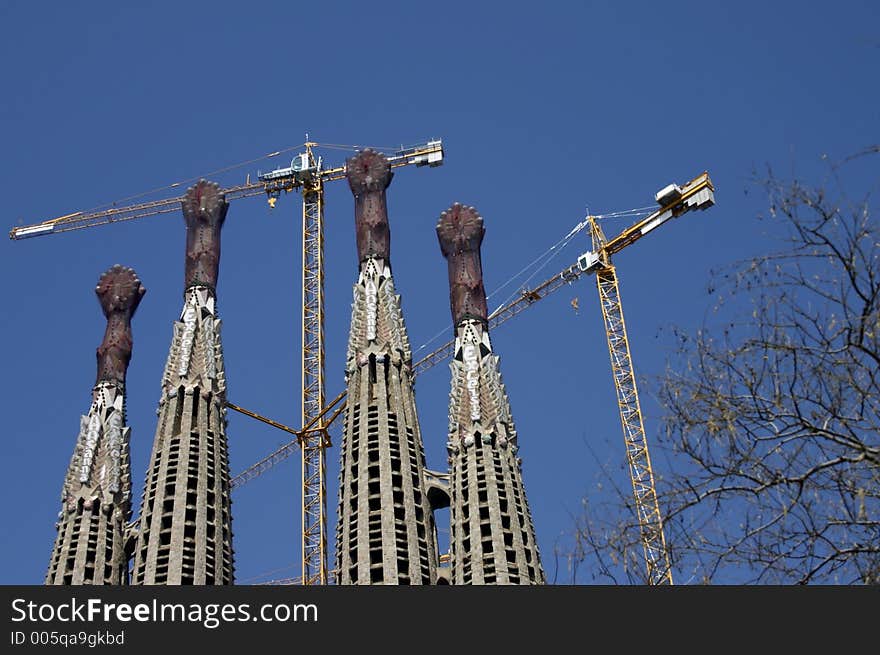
{"x":430,"y":154}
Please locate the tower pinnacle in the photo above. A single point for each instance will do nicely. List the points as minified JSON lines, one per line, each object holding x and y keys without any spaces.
{"x":369,"y":175}
{"x":460,"y":232}
{"x":204,"y":210}
{"x":119,"y":291}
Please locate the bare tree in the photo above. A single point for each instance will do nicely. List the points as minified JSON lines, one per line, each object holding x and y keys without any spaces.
{"x":771,"y":426}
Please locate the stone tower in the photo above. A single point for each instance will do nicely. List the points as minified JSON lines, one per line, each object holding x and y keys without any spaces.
{"x":385,"y":532}
{"x":492,"y":539}
{"x":96,"y":496}
{"x":185,"y":527}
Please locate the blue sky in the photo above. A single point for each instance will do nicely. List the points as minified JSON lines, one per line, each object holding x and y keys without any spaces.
{"x":545,"y":110}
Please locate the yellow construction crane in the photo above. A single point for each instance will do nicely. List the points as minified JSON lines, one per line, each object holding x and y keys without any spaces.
{"x":674,"y":200}
{"x":306,"y":174}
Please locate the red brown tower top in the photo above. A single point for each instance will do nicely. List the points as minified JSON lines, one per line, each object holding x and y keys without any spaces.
{"x":369,"y":174}
{"x":204,"y":210}
{"x":119,"y":291}
{"x":460,"y":231}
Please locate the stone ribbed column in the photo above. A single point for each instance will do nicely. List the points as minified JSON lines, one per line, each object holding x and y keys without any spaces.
{"x":96,"y":496}
{"x":492,"y":538}
{"x":185,"y":527}
{"x":385,"y":532}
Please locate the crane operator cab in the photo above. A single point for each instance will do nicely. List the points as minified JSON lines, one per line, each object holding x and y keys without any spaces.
{"x":299,"y":170}
{"x":588,"y":262}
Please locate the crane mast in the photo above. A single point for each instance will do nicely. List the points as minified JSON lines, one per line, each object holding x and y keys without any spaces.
{"x":638,"y":459}
{"x":314,"y":488}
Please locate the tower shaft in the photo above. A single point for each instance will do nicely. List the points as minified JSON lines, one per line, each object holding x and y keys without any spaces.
{"x":385,"y":533}
{"x":185,"y":524}
{"x":96,"y":499}
{"x":492,"y":538}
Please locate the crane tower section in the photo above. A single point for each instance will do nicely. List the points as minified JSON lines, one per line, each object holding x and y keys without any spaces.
{"x":312,"y":456}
